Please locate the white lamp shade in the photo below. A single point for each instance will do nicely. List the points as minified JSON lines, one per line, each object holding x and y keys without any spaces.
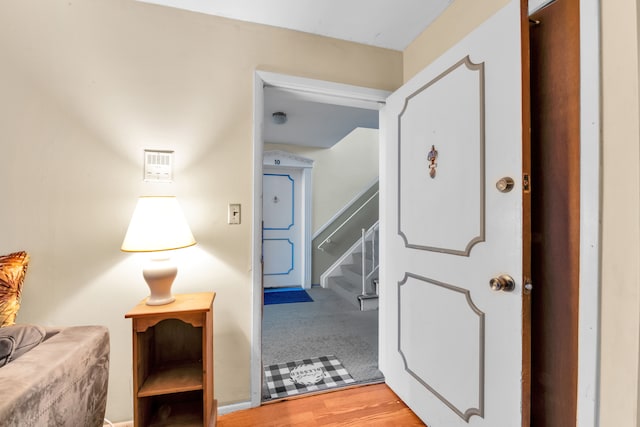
{"x":157,"y":224}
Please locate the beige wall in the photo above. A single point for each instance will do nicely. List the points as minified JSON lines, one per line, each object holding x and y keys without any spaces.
{"x":620,"y":214}
{"x":339,"y":173}
{"x":455,"y":22}
{"x":85,"y":86}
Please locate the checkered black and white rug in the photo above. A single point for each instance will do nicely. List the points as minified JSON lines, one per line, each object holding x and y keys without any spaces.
{"x":303,"y":376}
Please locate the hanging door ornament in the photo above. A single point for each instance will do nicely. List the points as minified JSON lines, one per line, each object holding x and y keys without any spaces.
{"x":432,"y":157}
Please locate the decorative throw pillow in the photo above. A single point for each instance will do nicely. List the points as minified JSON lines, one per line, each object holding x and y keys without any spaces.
{"x":13,"y":268}
{"x":16,"y":340}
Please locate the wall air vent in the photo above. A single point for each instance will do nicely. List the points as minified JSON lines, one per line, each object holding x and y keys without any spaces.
{"x":158,"y":166}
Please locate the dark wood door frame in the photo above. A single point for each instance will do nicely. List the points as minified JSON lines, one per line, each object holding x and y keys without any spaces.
{"x":555,"y":142}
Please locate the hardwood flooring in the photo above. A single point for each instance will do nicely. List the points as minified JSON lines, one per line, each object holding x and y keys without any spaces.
{"x":373,"y":405}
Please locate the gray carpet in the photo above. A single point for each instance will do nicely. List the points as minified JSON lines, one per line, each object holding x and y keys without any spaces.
{"x":328,"y":325}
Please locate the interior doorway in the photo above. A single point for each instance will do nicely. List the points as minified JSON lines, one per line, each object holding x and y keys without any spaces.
{"x":308,"y":327}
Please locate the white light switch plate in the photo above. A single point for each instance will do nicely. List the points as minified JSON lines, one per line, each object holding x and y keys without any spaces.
{"x":234,"y":213}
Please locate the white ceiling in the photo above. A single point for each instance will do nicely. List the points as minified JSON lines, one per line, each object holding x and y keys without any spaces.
{"x":391,"y":24}
{"x":311,"y":123}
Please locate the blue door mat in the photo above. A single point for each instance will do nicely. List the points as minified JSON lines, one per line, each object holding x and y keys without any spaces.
{"x":285,"y":296}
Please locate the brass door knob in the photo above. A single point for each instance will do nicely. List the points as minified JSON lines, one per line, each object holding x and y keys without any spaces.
{"x":504,"y":282}
{"x":504,"y":185}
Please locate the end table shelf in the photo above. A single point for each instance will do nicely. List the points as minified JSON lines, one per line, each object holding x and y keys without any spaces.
{"x":173,"y":379}
{"x":173,"y":362}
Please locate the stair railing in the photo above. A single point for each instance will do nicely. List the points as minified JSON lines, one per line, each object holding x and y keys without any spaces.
{"x":346,"y":221}
{"x":371,"y":234}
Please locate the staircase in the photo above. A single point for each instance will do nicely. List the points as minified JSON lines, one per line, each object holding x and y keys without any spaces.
{"x":345,"y":277}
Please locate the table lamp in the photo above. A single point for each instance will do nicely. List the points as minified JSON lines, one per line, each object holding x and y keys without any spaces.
{"x":158,"y":226}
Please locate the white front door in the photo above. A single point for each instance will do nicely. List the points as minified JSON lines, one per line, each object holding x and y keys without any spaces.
{"x":282,"y":248}
{"x":451,"y":346}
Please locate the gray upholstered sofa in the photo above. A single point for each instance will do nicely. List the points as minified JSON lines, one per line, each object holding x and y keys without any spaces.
{"x":60,"y":382}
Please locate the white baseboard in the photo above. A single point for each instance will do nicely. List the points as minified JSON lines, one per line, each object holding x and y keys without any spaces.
{"x":120,"y":424}
{"x":226,"y":409}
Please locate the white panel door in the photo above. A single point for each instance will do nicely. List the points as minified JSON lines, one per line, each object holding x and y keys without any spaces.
{"x":281,"y":233}
{"x":451,"y":346}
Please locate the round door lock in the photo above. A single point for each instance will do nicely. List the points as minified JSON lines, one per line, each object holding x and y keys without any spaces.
{"x":504,"y":282}
{"x":504,"y":185}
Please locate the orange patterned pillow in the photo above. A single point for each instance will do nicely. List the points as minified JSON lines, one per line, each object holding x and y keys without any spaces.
{"x":13,"y":268}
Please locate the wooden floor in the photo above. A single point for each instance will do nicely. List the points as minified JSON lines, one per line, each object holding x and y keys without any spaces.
{"x":372,"y":405}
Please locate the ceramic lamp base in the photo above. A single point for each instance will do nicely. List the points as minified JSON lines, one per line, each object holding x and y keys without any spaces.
{"x":159,"y":274}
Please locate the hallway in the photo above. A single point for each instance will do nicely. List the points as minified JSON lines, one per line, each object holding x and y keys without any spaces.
{"x":328,"y":325}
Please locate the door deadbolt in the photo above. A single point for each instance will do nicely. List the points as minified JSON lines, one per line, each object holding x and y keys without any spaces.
{"x":504,"y":282}
{"x":504,"y":185}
